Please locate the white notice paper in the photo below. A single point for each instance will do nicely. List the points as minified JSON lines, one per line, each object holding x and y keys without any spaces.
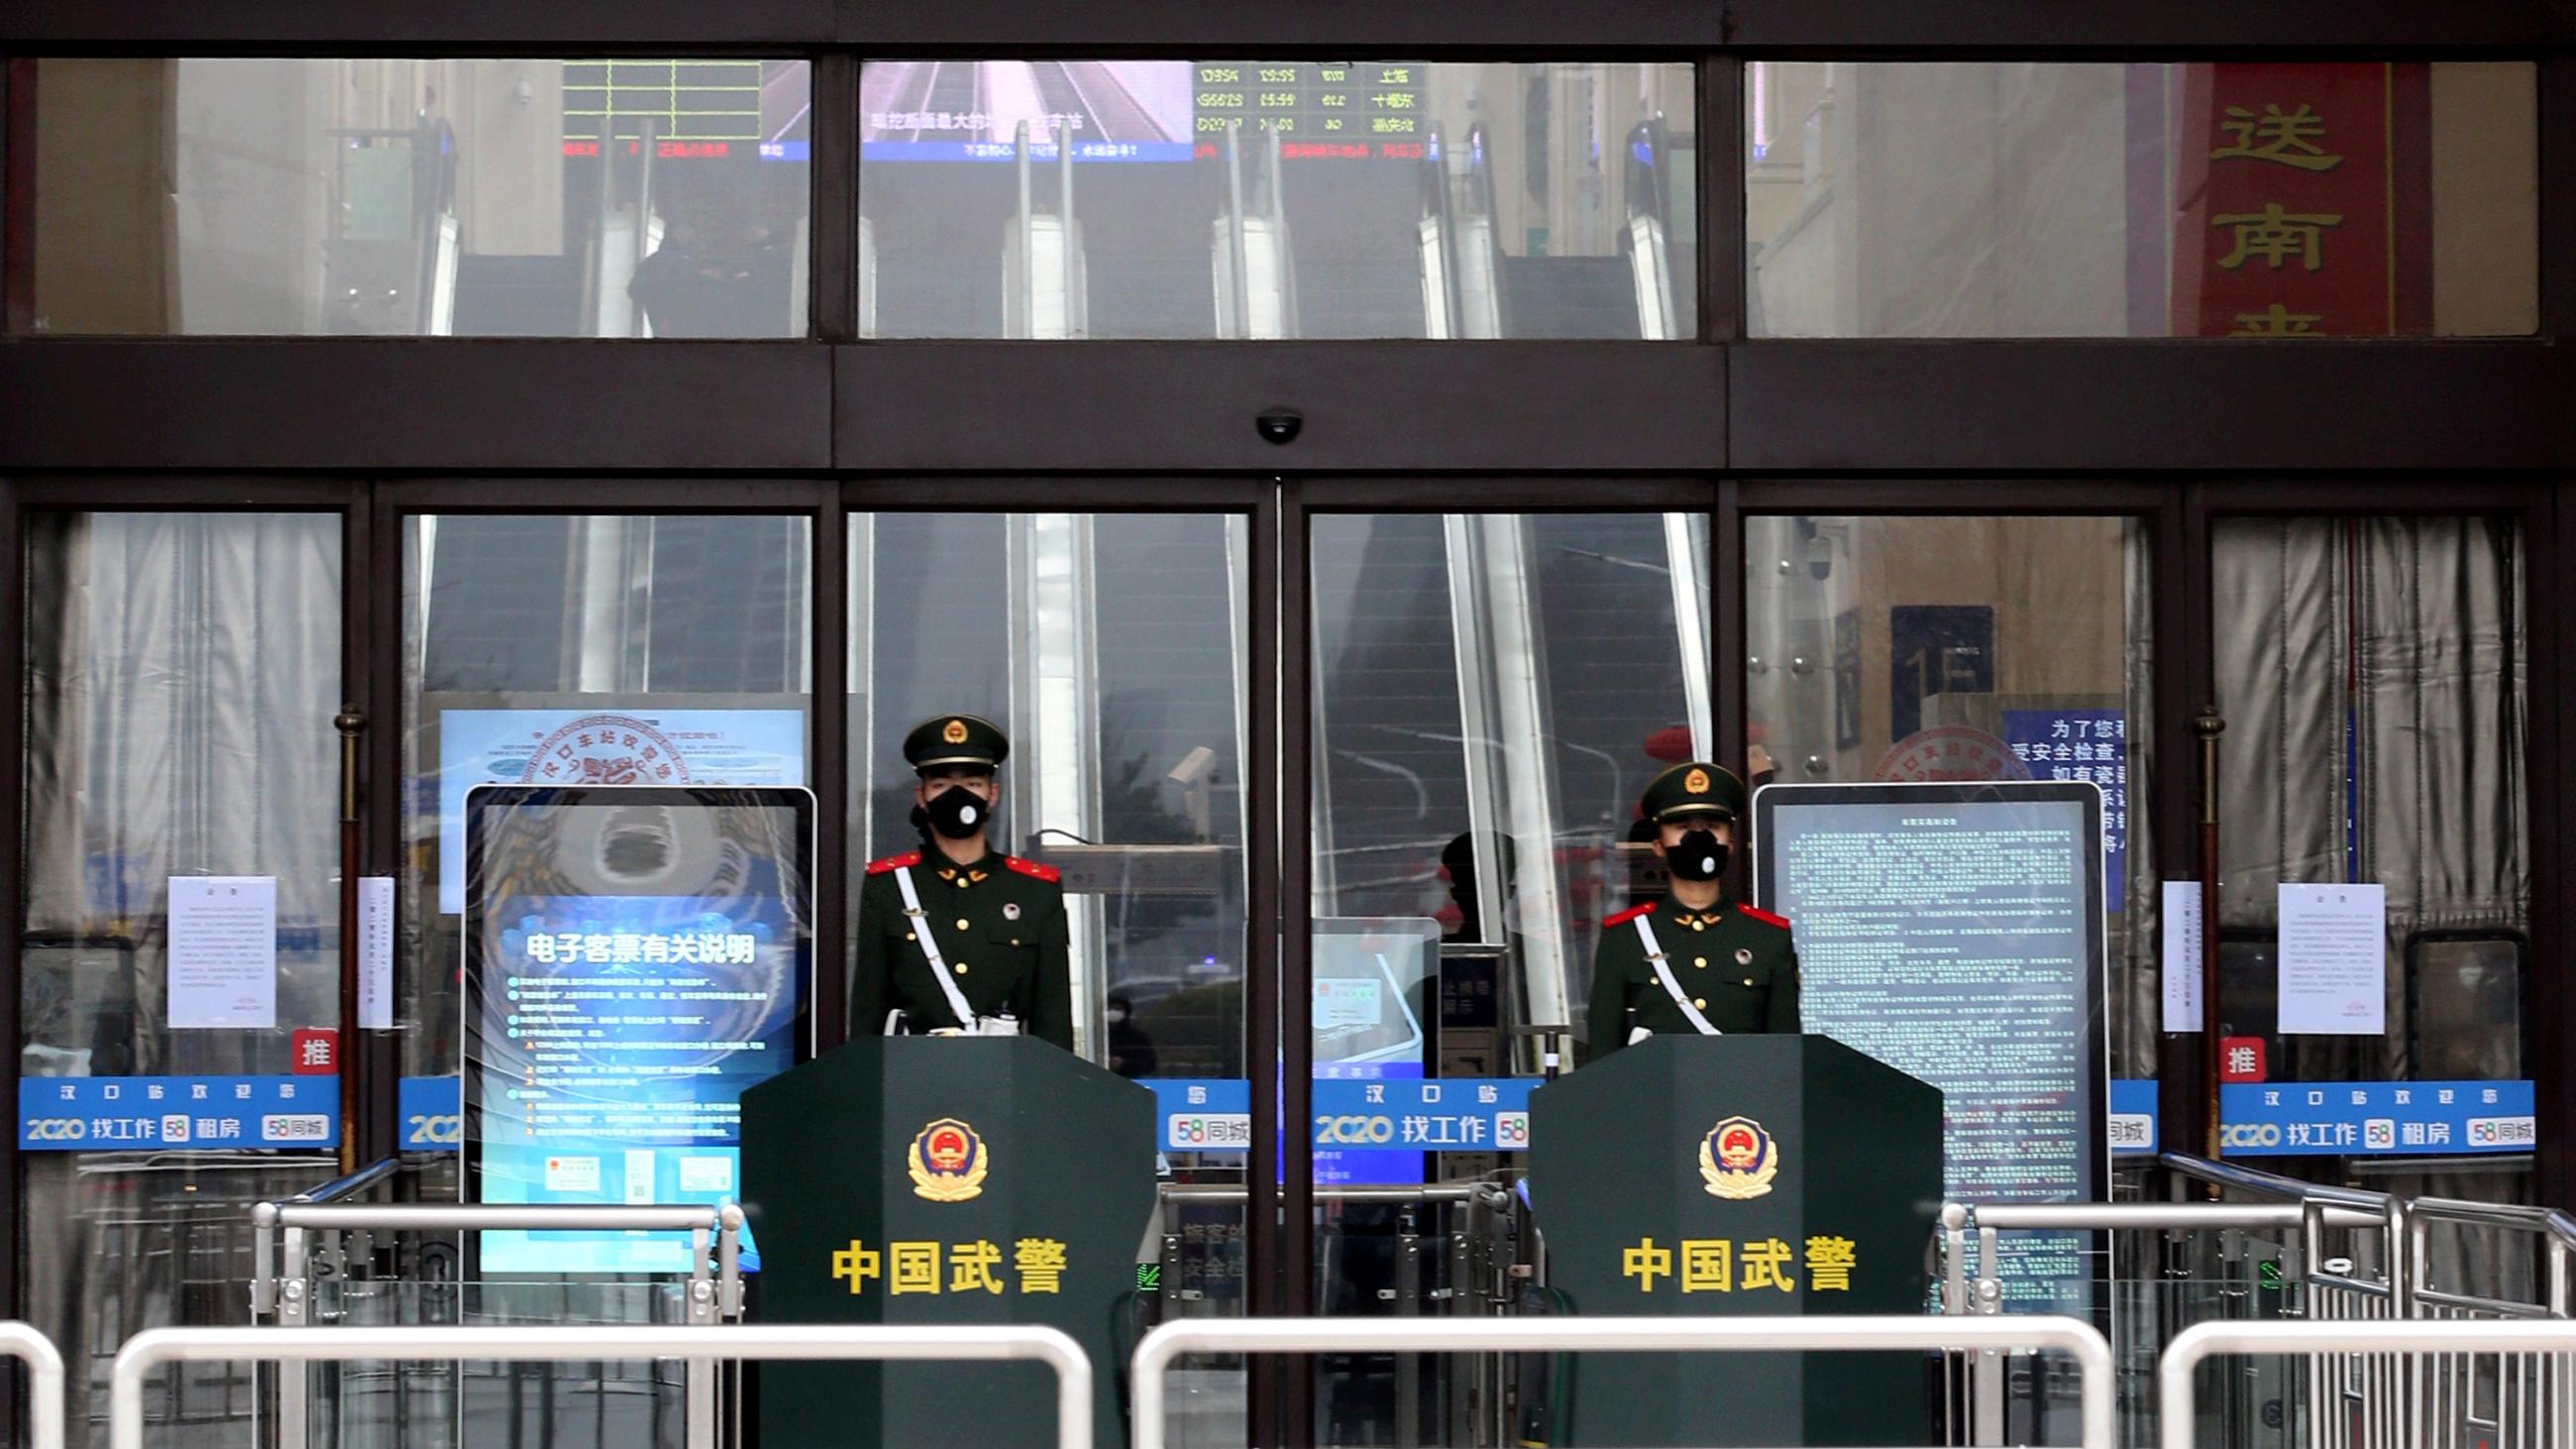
{"x":376,"y":953}
{"x":223,"y":951}
{"x":2334,"y":960}
{"x":2182,"y":955}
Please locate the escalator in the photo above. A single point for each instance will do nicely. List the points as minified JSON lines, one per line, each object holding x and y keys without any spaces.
{"x":1633,"y":293}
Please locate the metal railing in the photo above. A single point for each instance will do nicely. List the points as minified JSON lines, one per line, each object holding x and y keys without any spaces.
{"x":2203,"y":1264}
{"x":2079,"y":1340}
{"x":281,"y":1285}
{"x":2551,"y":1422}
{"x":44,"y":1382}
{"x":566,"y":1344}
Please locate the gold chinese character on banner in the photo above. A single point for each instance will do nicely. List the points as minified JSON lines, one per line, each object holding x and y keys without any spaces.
{"x":1708,"y":1265}
{"x":1645,"y":1263}
{"x":2287,"y":137}
{"x":1763,"y":1262}
{"x":857,"y":1263}
{"x":1829,"y":1264}
{"x":970,"y":1267}
{"x":2277,"y":320}
{"x":1041,"y":1264}
{"x":2274,"y":235}
{"x":916,"y":1267}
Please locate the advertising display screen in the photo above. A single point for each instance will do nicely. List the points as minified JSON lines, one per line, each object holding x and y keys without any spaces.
{"x":1138,"y":110}
{"x":1373,"y":987}
{"x":635,"y":959}
{"x":1955,"y":932}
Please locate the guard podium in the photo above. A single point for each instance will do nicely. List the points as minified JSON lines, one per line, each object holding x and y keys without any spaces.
{"x":945,"y":1180}
{"x":1740,"y":1175}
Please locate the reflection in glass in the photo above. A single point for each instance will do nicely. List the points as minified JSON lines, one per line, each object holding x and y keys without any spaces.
{"x":582,"y":650}
{"x":2047,"y":199}
{"x":182,"y":675}
{"x":1907,"y":649}
{"x":1112,"y":649}
{"x":1491,"y":695}
{"x":1276,"y":199}
{"x":2373,"y":679}
{"x":413,"y":198}
{"x":1109,"y":648}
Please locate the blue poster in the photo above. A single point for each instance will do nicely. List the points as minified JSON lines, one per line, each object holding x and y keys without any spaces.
{"x":619,"y":1033}
{"x":2375,"y":1119}
{"x":2082,"y":744}
{"x":1394,"y":1117}
{"x":207,"y":1114}
{"x":593,"y":747}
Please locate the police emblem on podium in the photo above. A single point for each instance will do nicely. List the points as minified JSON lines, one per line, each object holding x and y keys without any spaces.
{"x":1737,"y":1159}
{"x":948,"y":1162}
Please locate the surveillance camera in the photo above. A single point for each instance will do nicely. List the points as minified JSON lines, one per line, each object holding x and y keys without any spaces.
{"x":1280,"y":425}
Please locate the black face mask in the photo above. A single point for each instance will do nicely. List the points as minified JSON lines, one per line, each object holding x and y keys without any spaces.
{"x":1700,"y":856}
{"x":957,"y":813}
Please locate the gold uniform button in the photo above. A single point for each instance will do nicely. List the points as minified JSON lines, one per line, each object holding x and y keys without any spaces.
{"x":961,"y":968}
{"x":1700,"y":1001}
{"x":1748,"y":980}
{"x":909,"y":936}
{"x":1700,"y":961}
{"x":961,"y":924}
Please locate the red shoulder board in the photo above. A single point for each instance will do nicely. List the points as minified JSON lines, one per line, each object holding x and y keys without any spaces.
{"x":1624,"y":917}
{"x":1033,"y":870}
{"x":894,"y":862}
{"x":1765,"y":917}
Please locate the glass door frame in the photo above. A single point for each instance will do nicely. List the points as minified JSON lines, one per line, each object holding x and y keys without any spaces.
{"x":25,"y":496}
{"x":1303,"y":498}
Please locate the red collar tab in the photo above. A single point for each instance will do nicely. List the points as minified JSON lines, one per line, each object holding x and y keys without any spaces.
{"x":1624,"y":917}
{"x":894,"y":862}
{"x":1765,"y":917}
{"x":1033,"y":870}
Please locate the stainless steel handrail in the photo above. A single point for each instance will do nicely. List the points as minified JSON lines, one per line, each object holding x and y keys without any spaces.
{"x":2316,"y":1200}
{"x":473,"y":1217}
{"x":44,"y":1363}
{"x":2123,"y":1216}
{"x":2270,"y":1184}
{"x":2090,"y":1350}
{"x":571,"y":1344}
{"x":1444,"y":1192}
{"x":264,"y":1224}
{"x":2555,"y":1228}
{"x":2176,"y":1403}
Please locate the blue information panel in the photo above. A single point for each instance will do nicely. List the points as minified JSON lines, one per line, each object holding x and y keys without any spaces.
{"x":636,"y":957}
{"x":2375,"y":1119}
{"x":1410,"y":1115}
{"x":2082,"y":744}
{"x":128,"y":1114}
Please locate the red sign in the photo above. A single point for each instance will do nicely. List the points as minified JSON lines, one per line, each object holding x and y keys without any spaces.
{"x":2240,"y":1059}
{"x":1949,"y":752}
{"x":2302,"y":200}
{"x":316,"y":1049}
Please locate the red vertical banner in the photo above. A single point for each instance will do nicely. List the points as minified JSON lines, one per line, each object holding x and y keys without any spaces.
{"x":2301,"y":201}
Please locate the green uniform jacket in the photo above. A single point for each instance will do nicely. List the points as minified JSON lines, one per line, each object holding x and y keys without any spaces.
{"x":1737,"y":963}
{"x":1000,"y":926}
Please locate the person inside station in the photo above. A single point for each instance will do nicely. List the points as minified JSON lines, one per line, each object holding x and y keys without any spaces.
{"x":957,"y":938}
{"x":1692,"y":961}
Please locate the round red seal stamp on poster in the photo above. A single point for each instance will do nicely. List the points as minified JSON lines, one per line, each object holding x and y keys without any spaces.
{"x":1949,"y":752}
{"x":606,"y":749}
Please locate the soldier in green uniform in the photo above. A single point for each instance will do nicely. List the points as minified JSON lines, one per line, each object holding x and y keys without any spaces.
{"x":958,"y":938}
{"x":1726,"y":967}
